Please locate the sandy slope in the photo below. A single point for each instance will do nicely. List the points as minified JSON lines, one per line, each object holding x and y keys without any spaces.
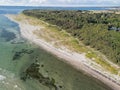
{"x":78,"y":61}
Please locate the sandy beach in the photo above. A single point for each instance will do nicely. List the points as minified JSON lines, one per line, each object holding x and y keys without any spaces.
{"x":78,"y":61}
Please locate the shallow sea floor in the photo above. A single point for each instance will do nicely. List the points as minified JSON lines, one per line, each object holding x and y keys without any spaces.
{"x":12,"y":67}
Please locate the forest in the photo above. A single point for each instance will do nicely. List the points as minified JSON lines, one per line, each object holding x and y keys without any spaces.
{"x":93,"y":29}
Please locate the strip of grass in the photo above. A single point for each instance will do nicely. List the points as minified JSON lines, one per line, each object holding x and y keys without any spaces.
{"x":102,"y":62}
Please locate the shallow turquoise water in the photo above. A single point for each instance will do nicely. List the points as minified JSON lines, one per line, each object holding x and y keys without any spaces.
{"x":10,"y":70}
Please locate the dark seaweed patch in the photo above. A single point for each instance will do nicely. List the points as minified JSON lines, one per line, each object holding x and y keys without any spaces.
{"x":19,"y":54}
{"x":8,"y":35}
{"x":33,"y":72}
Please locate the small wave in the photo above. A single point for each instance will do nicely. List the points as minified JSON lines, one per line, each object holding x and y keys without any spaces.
{"x":2,"y":77}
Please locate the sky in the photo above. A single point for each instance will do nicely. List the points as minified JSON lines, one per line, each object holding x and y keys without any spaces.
{"x":60,"y":2}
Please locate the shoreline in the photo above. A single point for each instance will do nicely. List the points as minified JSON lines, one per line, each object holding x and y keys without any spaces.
{"x":76,"y":60}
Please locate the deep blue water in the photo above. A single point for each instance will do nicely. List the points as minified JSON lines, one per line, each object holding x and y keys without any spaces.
{"x":18,"y":9}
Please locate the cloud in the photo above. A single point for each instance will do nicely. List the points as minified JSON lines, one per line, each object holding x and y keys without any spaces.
{"x":91,"y":2}
{"x":22,"y":2}
{"x":37,"y":1}
{"x":59,"y":2}
{"x":83,"y":2}
{"x":69,"y":1}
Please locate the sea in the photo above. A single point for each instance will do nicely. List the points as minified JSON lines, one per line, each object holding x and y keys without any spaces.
{"x":12,"y":67}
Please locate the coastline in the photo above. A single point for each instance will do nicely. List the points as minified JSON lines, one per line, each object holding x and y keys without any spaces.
{"x":74,"y":59}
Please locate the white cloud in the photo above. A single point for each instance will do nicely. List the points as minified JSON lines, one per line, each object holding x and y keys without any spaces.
{"x":11,"y":2}
{"x":37,"y":1}
{"x":65,"y":1}
{"x":60,"y":2}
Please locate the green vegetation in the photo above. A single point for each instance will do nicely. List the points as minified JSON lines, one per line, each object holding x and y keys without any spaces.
{"x":101,"y":62}
{"x":90,"y":28}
